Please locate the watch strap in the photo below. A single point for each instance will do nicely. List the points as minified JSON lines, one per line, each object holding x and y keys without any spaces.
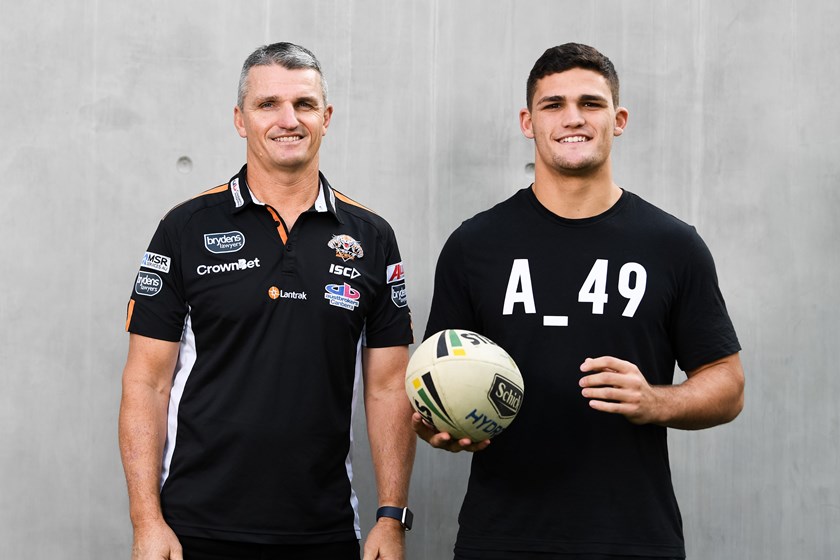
{"x":401,"y":514}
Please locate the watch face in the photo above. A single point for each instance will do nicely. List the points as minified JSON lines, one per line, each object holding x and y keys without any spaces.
{"x":408,"y":519}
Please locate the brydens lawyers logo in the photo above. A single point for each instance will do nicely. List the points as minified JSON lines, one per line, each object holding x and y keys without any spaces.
{"x":155,"y":262}
{"x":398,"y":295}
{"x":226,"y":242}
{"x":342,"y":295}
{"x":346,"y":247}
{"x":147,"y":284}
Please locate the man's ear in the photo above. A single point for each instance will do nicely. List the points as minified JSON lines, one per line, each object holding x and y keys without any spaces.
{"x":328,"y":111}
{"x":525,"y":123}
{"x":621,"y":116}
{"x":238,"y":122}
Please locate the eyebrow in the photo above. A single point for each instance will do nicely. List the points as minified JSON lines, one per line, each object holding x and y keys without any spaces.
{"x":304,"y":98}
{"x":562,"y":98}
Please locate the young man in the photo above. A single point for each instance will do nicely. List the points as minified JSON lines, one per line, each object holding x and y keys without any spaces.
{"x":595,"y":294}
{"x":257,"y":306}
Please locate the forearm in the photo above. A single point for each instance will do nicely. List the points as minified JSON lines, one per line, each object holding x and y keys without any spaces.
{"x":392,"y":444}
{"x":388,"y":411}
{"x":142,"y":432}
{"x":711,"y":396}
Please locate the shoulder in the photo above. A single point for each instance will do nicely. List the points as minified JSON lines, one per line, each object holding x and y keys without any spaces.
{"x":350,"y":209}
{"x":642,"y":209}
{"x":211,"y":198}
{"x":662,"y":235}
{"x":497,"y":219}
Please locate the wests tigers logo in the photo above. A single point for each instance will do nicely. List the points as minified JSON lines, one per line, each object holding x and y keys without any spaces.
{"x":346,"y":247}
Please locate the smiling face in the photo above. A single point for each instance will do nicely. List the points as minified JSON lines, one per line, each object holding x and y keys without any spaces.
{"x":572,"y":121}
{"x":283,"y":118}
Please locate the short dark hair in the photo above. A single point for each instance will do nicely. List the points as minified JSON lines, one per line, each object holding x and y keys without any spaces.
{"x":287,"y":55}
{"x":572,"y":55}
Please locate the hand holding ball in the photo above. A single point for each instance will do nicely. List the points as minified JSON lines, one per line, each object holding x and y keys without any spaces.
{"x":464,"y":384}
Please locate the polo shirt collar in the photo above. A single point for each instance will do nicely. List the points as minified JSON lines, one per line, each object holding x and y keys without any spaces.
{"x":242,"y":197}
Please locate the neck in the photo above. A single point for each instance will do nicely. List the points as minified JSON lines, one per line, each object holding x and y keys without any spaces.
{"x":573,"y":196}
{"x":289,"y":193}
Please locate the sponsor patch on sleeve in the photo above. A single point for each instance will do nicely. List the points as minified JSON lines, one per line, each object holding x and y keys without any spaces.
{"x":156,"y":262}
{"x":398,"y":295}
{"x":395,"y":273}
{"x":147,"y":284}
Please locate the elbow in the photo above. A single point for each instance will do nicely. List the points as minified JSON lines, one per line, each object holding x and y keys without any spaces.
{"x":736,"y":404}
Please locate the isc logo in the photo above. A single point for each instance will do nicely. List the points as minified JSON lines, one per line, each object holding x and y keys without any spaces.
{"x":347,"y":271}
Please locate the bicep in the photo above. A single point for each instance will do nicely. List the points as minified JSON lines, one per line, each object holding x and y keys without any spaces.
{"x":728,"y":367}
{"x":384,"y":368}
{"x":151,"y":362}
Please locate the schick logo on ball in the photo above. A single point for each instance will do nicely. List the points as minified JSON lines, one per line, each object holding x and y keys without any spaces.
{"x":505,"y":397}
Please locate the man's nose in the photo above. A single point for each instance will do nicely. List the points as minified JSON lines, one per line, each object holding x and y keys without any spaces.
{"x":573,"y":117}
{"x":286,"y":116}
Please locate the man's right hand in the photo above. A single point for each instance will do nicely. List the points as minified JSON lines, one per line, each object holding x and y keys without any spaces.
{"x":443,"y":440}
{"x":155,"y":541}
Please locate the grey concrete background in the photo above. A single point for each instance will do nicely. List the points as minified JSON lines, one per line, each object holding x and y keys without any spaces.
{"x":733,"y":127}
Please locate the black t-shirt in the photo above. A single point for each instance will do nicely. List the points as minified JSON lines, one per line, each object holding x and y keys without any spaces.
{"x":270,"y":324}
{"x":634,"y":283}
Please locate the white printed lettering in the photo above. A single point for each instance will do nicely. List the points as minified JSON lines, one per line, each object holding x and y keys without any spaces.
{"x":520,"y":275}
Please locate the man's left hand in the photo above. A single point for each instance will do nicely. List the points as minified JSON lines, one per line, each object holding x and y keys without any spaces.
{"x":386,"y":541}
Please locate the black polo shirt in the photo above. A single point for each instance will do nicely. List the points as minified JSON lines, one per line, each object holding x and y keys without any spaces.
{"x":270,"y":324}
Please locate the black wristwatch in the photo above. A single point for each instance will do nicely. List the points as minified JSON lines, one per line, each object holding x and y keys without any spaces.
{"x":401,"y":514}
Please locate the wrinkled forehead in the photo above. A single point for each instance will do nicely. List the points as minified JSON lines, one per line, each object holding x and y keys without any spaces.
{"x":279,"y":82}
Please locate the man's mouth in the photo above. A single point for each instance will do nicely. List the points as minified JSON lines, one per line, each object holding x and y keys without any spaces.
{"x":573,"y":139}
{"x":284,"y":139}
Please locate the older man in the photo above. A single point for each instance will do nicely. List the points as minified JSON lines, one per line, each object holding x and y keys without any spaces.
{"x":257,"y":307}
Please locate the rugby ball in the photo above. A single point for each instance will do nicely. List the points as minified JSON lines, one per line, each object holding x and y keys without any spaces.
{"x":465,"y":384}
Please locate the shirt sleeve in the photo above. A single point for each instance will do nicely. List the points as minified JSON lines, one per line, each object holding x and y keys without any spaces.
{"x":389,"y":321}
{"x":157,"y":307}
{"x":702,"y":329}
{"x":452,"y":306}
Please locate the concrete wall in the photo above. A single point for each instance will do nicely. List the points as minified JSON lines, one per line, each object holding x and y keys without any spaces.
{"x":733,"y":127}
